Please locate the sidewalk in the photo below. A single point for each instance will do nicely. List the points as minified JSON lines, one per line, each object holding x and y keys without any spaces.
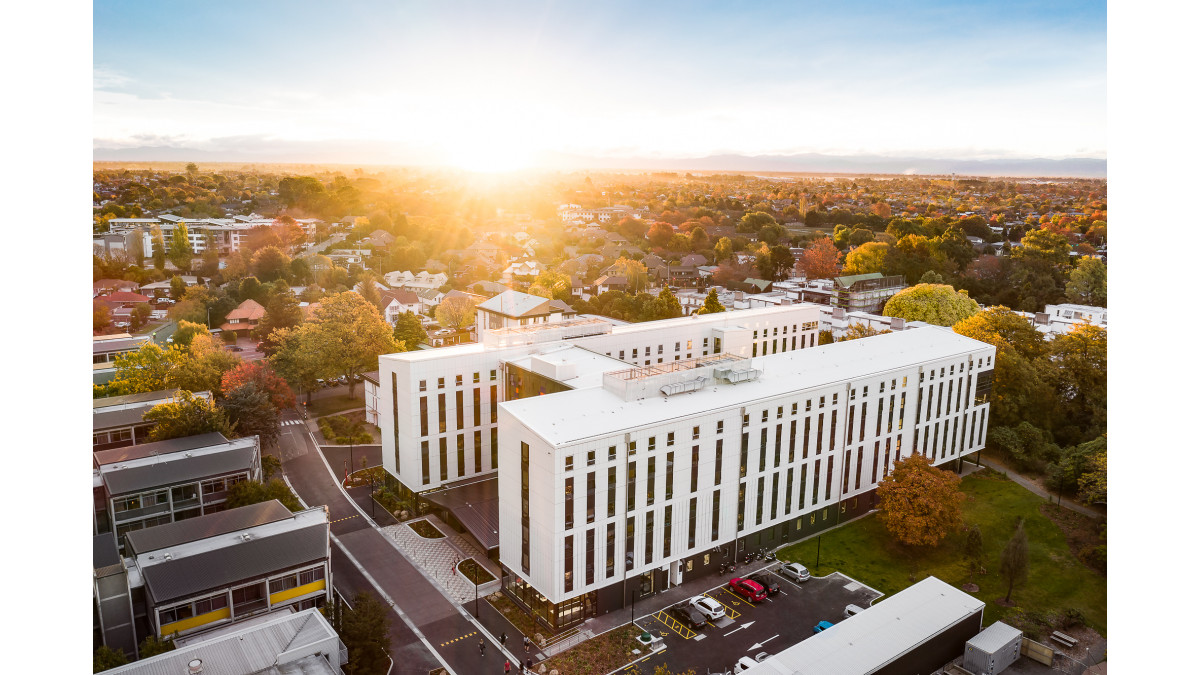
{"x":1041,"y":492}
{"x":437,"y":557}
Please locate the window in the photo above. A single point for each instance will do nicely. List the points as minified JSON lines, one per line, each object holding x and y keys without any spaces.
{"x":424,"y":462}
{"x":458,"y":380}
{"x":475,"y":378}
{"x":778,"y":413}
{"x":650,"y":481}
{"x":717,"y":463}
{"x":667,"y":531}
{"x":493,"y":376}
{"x":478,"y":451}
{"x":612,"y":491}
{"x":422,"y":385}
{"x":591,"y":458}
{"x":630,"y":486}
{"x":670,"y":439}
{"x":670,"y":490}
{"x":720,"y":426}
{"x":445,"y":469}
{"x":568,"y":562}
{"x":651,"y":444}
{"x":765,"y":415}
{"x":441,"y":413}
{"x":569,"y":463}
{"x":808,"y":405}
{"x":649,"y":537}
{"x":591,"y":497}
{"x":610,"y":550}
{"x":475,"y":407}
{"x":822,"y":405}
{"x":524,"y":506}
{"x":569,"y":503}
{"x":462,"y":459}
{"x":424,"y":416}
{"x":441,"y":383}
{"x":612,"y":453}
{"x":458,"y":408}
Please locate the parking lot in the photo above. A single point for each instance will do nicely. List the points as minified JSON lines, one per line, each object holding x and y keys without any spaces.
{"x":749,"y":629}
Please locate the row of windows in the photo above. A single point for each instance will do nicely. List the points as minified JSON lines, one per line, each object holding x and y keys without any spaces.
{"x":461,"y":455}
{"x":458,"y":381}
{"x":459,"y":410}
{"x":193,"y":608}
{"x":296,"y":579}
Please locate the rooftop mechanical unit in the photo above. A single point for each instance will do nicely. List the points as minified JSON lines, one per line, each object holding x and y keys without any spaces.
{"x":683,"y":387}
{"x":732,"y":376}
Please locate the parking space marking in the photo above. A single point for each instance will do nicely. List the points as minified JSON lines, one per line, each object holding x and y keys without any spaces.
{"x":674,"y":624}
{"x":737,"y":599}
{"x":631,"y":664}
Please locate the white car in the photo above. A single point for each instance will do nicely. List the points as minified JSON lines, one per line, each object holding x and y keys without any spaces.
{"x":746,"y":663}
{"x":710,"y":608}
{"x":794,"y":571}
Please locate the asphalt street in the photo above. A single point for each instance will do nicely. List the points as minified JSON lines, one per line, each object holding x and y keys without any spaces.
{"x":377,"y":564}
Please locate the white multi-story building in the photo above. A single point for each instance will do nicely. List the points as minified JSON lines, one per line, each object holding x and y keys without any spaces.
{"x":658,"y":474}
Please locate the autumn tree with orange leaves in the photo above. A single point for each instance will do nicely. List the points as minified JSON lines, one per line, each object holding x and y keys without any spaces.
{"x":821,"y":260}
{"x":266,"y":380}
{"x":919,"y":503}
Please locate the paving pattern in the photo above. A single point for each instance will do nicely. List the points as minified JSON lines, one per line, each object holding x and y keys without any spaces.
{"x":437,"y":557}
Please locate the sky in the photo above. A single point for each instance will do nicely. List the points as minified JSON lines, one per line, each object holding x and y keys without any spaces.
{"x":497,"y":85}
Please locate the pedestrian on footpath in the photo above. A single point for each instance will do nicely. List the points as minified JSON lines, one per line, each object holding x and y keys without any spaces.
{"x":503,"y":639}
{"x":529,"y":664}
{"x":525,"y":641}
{"x":507,"y":667}
{"x":481,"y":647}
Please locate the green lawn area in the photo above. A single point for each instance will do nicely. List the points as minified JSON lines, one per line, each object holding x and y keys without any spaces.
{"x":321,"y":407}
{"x":1057,"y":580}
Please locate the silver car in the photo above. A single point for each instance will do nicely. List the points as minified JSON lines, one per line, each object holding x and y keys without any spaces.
{"x":794,"y":571}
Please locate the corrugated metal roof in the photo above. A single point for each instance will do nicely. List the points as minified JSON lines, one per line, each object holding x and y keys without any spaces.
{"x":873,"y":638}
{"x":118,"y":455}
{"x":104,"y":551}
{"x":119,"y":418}
{"x":477,"y":507}
{"x":225,"y":566}
{"x":144,"y":397}
{"x":994,"y":638}
{"x":175,"y":470}
{"x":260,"y":649}
{"x":120,"y":344}
{"x":849,"y":281}
{"x":211,"y":525}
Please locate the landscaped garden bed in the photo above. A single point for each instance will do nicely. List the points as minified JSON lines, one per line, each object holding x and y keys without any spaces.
{"x":345,"y":429}
{"x":426,"y":529}
{"x":475,"y":573}
{"x":602,"y":654}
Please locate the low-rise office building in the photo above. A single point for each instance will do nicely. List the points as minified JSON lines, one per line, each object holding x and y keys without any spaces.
{"x":107,"y":348}
{"x":188,"y":577}
{"x":150,"y":484}
{"x":656,"y":475}
{"x":118,"y":421}
{"x":865,"y":292}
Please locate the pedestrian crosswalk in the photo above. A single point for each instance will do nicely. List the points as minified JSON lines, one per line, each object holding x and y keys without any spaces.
{"x":287,"y":422}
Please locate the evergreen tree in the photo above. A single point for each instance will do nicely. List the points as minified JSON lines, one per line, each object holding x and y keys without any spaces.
{"x":1014,"y":561}
{"x":712,"y":303}
{"x":409,"y":331}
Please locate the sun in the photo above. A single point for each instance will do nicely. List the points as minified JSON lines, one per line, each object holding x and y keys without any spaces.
{"x":489,"y":156}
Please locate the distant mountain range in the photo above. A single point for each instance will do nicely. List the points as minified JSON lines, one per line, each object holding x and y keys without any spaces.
{"x":364,"y":153}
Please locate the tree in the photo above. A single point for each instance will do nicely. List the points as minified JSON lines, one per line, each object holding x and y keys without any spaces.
{"x":455,"y":313}
{"x":251,"y":289}
{"x":858,"y":330}
{"x":185,"y":332}
{"x":264,"y":379}
{"x":270,"y":263}
{"x":180,"y":251}
{"x":937,"y":304}
{"x":293,"y":364}
{"x":1079,"y":375}
{"x":106,"y":657}
{"x":667,"y":305}
{"x":553,"y":285}
{"x":1044,"y":245}
{"x":1019,"y":388}
{"x":141,"y":371}
{"x":755,"y":221}
{"x":660,"y":234}
{"x":346,"y":336}
{"x":249,"y":492}
{"x":1088,"y":284}
{"x":409,"y":333}
{"x":201,"y":366}
{"x":251,"y":413}
{"x":781,"y":262}
{"x":187,"y":415}
{"x":370,"y":292}
{"x":634,"y":272}
{"x":723,"y":249}
{"x":158,"y":248}
{"x":973,"y":551}
{"x":365,"y":630}
{"x":932,"y":277}
{"x":153,"y":645}
{"x":919,"y":503}
{"x":282,"y":310}
{"x":1093,"y":484}
{"x":1014,"y":561}
{"x":866,"y":259}
{"x":191,"y":168}
{"x":139,"y":316}
{"x":821,"y":260}
{"x":712,"y":303}
{"x":270,"y":466}
{"x":178,"y":287}
{"x":101,"y":316}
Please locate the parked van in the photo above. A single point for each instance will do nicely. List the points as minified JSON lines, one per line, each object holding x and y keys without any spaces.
{"x":851,"y":610}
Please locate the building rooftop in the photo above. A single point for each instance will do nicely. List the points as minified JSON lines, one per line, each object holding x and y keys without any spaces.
{"x":211,"y":525}
{"x":574,"y":416}
{"x":285,"y":644}
{"x":586,"y":368}
{"x":183,"y":444}
{"x":217,"y":561}
{"x":871,"y":639}
{"x":133,"y":399}
{"x":516,"y":304}
{"x":180,"y":464}
{"x":118,"y":344}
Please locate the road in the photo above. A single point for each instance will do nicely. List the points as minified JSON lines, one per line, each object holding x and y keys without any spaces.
{"x":363,"y":558}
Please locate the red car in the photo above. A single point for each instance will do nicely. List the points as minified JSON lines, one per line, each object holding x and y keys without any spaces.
{"x":748,"y":589}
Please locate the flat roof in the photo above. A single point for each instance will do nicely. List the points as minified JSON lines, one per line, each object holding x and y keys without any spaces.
{"x":170,"y":446}
{"x":181,"y":469}
{"x":130,"y":399}
{"x":589,"y":365}
{"x":873,"y":638}
{"x":251,"y":649}
{"x":219,"y":561}
{"x":574,"y":416}
{"x":118,"y":344}
{"x":211,"y":525}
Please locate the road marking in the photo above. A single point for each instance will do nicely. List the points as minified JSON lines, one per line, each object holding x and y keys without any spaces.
{"x":756,"y":645}
{"x":745,"y":625}
{"x":674,"y":624}
{"x":341,"y":519}
{"x":729,"y":611}
{"x":738,"y":600}
{"x":461,"y":637}
{"x":631,"y":664}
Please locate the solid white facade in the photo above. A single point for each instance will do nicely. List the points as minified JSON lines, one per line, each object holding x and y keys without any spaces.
{"x":798,"y":432}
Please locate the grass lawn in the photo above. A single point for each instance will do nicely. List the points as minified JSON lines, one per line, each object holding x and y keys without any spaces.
{"x":321,"y":407}
{"x":1057,"y":581}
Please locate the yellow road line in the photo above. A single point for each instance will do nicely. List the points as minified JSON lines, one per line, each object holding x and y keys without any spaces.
{"x":634,"y":663}
{"x":461,"y":637}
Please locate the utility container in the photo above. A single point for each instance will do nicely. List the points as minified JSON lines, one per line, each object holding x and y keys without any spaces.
{"x":993,"y":650}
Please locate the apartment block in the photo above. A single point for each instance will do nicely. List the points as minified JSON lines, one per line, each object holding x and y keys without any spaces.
{"x":653,"y":475}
